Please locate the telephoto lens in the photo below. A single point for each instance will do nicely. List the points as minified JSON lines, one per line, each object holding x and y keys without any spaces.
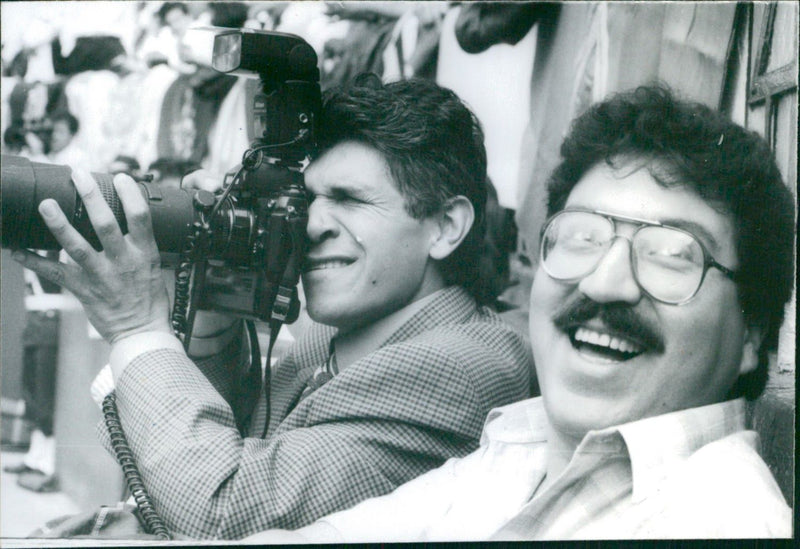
{"x":25,"y":184}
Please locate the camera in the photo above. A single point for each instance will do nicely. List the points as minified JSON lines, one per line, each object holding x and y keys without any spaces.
{"x":237,"y":251}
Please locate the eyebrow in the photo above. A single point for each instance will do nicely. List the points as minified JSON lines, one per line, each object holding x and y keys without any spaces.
{"x":344,"y":188}
{"x":692,"y":227}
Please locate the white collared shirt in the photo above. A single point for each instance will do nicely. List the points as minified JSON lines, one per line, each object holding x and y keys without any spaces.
{"x":690,"y":474}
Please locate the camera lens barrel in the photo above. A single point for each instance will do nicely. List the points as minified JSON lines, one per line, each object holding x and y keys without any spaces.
{"x":25,"y":184}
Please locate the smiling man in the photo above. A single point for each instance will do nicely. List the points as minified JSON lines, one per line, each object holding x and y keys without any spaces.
{"x":398,"y":372}
{"x":664,"y":268}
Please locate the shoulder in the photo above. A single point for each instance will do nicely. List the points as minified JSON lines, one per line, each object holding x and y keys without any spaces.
{"x":732,"y":467}
{"x":728,"y":484}
{"x":444,"y":377}
{"x":482,"y":352}
{"x":736,"y":454}
{"x":481,"y":343}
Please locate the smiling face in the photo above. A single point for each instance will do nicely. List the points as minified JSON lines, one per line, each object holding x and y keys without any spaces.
{"x":605,"y":352}
{"x":368,"y":257}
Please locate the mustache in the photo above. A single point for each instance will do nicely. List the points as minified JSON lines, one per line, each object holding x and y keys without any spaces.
{"x":618,"y":317}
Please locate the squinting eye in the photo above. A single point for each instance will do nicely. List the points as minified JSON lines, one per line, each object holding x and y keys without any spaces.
{"x":580,"y":239}
{"x":342,"y":197}
{"x":675,"y":254}
{"x":676,"y":257}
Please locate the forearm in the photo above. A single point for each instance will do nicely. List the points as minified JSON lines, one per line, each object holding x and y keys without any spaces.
{"x":184,"y":438}
{"x":209,"y":482}
{"x":405,"y":515}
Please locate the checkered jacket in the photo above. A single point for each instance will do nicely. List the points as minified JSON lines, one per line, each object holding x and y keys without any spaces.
{"x":405,"y":408}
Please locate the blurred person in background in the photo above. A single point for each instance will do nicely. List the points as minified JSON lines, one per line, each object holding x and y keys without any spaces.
{"x":170,"y":171}
{"x":62,"y":147}
{"x":165,"y":45}
{"x":125,"y":164}
{"x":37,"y":470}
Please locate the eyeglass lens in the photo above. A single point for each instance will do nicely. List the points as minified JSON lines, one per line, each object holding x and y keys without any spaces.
{"x":668,"y":263}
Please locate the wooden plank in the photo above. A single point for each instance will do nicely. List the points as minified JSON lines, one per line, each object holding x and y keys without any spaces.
{"x":773,"y":83}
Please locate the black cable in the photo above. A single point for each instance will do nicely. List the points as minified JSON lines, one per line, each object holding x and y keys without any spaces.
{"x":274,"y":328}
{"x":153,"y":523}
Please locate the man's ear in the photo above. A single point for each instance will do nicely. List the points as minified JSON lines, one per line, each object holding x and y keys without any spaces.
{"x":454,"y":223}
{"x":753,"y":337}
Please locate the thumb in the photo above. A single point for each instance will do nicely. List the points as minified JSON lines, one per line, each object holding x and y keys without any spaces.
{"x":202,"y":180}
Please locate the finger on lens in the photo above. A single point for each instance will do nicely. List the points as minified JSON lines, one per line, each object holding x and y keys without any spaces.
{"x":137,"y":211}
{"x":100,"y":214}
{"x":67,"y":236}
{"x":49,"y":269}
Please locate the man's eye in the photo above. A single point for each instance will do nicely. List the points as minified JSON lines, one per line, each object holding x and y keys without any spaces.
{"x":581,"y":239}
{"x":344,"y":198}
{"x":679,"y":258}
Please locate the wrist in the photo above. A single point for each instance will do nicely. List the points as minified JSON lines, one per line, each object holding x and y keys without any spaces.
{"x":125,"y":350}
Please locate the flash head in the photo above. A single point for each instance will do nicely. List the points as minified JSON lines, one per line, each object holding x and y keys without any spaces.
{"x":264,"y":53}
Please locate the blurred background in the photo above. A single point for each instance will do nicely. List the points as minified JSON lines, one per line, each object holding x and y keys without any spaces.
{"x":126,"y":86}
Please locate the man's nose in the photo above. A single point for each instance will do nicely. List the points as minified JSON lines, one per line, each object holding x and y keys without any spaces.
{"x":321,"y":222}
{"x":613,"y":279}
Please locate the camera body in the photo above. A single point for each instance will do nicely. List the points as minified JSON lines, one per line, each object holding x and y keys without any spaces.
{"x":238,"y":251}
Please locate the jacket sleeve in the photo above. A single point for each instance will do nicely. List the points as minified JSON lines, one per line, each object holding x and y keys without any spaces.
{"x":378,"y":424}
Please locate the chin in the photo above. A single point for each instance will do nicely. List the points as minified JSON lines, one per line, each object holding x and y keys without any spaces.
{"x":321,"y":315}
{"x":577,"y":414}
{"x":330,"y":316}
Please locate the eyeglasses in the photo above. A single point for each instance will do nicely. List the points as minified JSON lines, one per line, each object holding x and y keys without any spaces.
{"x":669,"y":264}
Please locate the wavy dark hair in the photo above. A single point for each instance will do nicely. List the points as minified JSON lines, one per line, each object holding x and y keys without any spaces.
{"x":433,"y":145}
{"x":733,"y":169}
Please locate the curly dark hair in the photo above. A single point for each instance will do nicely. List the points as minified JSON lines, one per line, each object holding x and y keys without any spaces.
{"x":687,"y":143}
{"x":433,"y":145}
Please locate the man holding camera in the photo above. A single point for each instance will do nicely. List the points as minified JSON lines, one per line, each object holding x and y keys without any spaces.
{"x":665,"y":265}
{"x":397,"y":376}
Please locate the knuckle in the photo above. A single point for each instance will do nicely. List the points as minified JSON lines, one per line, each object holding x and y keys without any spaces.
{"x":79,"y":254}
{"x":89,"y":192}
{"x":58,"y":228}
{"x":123,"y":179}
{"x":53,"y":274}
{"x":139,"y":216}
{"x":105,"y":229}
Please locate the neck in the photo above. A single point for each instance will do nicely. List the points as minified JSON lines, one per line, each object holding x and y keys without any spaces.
{"x":354,"y":344}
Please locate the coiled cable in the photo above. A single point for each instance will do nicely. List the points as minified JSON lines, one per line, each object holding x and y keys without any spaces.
{"x":153,"y":523}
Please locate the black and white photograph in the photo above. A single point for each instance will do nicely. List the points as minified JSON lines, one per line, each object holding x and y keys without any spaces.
{"x":318,"y":272}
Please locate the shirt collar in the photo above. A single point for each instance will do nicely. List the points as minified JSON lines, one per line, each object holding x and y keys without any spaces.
{"x":654,"y":445}
{"x":657,"y":444}
{"x":518,"y":423}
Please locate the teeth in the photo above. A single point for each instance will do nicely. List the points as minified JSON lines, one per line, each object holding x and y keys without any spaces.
{"x":605,"y":340}
{"x":332,"y":264}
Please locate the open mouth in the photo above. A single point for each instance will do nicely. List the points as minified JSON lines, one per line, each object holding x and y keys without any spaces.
{"x":603,"y":345}
{"x":322,"y":264}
